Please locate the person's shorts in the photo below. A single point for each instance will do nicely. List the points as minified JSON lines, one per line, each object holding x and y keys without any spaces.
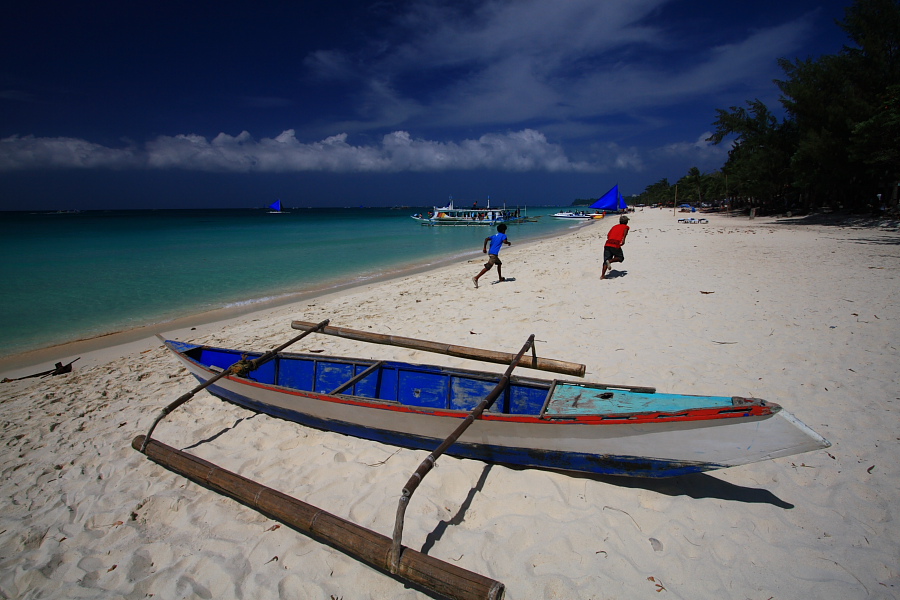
{"x":493,"y":259}
{"x":609,"y":252}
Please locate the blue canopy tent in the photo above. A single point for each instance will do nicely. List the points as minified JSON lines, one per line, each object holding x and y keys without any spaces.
{"x":611,"y":201}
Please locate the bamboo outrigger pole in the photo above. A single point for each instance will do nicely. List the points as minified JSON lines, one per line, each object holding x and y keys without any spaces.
{"x":428,"y":463}
{"x":504,"y":358}
{"x":240,"y":367}
{"x":373,"y":548}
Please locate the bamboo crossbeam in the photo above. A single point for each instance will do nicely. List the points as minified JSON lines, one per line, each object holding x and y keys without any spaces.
{"x":492,"y":356}
{"x":430,"y":460}
{"x":354,"y":380}
{"x":354,"y":540}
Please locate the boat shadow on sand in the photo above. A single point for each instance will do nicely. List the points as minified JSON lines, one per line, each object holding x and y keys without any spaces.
{"x":221,"y":432}
{"x":697,"y":485}
{"x":432,"y":538}
{"x":694,"y":485}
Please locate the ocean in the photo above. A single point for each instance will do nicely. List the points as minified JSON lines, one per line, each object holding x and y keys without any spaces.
{"x":70,"y":276}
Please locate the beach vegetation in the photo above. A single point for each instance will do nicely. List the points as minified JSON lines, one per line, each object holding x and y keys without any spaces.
{"x":700,"y":188}
{"x":695,"y":188}
{"x":657,"y":193}
{"x":759,"y":161}
{"x":836,"y":146}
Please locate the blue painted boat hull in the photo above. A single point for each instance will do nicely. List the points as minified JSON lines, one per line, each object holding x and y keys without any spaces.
{"x":593,"y":428}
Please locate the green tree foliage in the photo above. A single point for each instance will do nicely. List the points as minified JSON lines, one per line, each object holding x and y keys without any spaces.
{"x":694,"y":188}
{"x":759,"y":162}
{"x":877,"y":141}
{"x":875,"y":137}
{"x":838,"y":144}
{"x":823,"y":102}
{"x":657,"y":193}
{"x":715,"y":188}
{"x":874,"y":26}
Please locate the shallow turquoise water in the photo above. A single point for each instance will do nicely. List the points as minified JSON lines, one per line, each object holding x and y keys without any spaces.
{"x":76,"y":275}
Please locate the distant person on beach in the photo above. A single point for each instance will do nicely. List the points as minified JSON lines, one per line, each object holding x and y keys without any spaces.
{"x":497,"y":240}
{"x":615,"y":239}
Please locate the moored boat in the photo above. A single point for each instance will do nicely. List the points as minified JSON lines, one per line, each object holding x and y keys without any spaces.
{"x":611,"y":201}
{"x":584,"y":215}
{"x":450,"y":215}
{"x":544,"y":423}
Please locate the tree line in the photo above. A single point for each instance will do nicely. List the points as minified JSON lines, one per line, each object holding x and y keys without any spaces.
{"x":838,"y":145}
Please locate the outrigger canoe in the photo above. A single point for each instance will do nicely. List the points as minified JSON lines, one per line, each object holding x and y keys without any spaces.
{"x":544,"y":423}
{"x":558,"y":424}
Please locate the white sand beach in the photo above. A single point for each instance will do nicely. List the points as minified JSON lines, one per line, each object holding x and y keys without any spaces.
{"x":802,"y":315}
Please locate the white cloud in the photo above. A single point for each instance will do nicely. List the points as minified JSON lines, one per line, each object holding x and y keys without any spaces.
{"x":507,"y":62}
{"x":618,"y":157}
{"x":328,"y":64}
{"x":702,"y":152}
{"x":519,"y":151}
{"x":515,"y":63}
{"x":566,"y":69}
{"x":29,"y":152}
{"x":547,"y":32}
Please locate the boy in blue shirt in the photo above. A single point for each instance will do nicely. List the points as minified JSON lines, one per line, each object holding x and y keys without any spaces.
{"x":497,"y":240}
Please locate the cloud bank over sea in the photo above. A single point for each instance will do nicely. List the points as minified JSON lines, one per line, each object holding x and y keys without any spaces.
{"x":517,"y":151}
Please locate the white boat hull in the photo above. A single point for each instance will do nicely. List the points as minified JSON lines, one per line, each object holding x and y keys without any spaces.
{"x":647,"y":449}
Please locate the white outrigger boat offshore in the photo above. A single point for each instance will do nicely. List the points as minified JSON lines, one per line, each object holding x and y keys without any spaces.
{"x":568,"y":214}
{"x":450,"y":215}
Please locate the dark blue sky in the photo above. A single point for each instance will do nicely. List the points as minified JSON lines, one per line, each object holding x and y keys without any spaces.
{"x":233,"y":104}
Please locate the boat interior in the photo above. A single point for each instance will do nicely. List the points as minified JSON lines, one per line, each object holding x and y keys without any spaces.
{"x":447,"y":388}
{"x":426,"y":386}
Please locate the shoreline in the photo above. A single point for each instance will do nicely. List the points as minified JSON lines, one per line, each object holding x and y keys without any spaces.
{"x":142,"y":337}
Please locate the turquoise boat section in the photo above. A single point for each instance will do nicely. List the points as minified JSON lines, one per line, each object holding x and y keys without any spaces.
{"x":574,"y":400}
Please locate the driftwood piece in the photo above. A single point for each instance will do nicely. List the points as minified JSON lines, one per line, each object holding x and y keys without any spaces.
{"x":419,"y":569}
{"x":58,"y":369}
{"x":492,"y":356}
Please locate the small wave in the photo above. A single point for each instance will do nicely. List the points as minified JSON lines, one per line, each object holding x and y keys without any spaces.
{"x":252,"y":301}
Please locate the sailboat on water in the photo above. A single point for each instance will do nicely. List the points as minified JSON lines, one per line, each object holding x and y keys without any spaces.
{"x":276,"y":208}
{"x":611,"y":201}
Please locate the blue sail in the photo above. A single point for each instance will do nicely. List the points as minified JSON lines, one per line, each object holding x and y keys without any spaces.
{"x":611,"y":200}
{"x":276,"y":206}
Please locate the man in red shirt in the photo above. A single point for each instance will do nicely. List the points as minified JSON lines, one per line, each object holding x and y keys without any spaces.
{"x":612,"y":252}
